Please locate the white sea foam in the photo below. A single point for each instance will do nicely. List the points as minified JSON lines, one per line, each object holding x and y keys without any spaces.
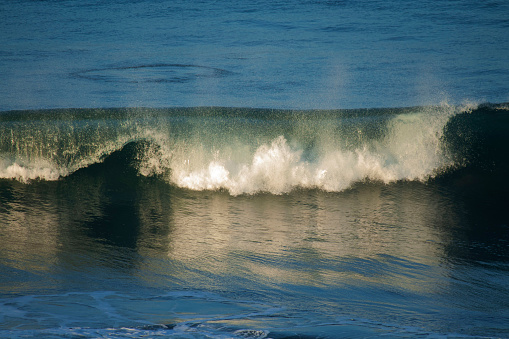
{"x":411,"y":149}
{"x":38,"y":169}
{"x":277,"y":168}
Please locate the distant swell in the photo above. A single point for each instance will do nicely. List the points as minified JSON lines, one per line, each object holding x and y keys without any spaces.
{"x":245,"y":151}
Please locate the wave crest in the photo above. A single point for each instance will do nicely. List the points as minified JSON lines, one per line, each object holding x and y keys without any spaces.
{"x":239,"y":151}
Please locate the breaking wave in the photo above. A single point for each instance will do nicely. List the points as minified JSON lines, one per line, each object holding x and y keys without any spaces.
{"x":246,"y":151}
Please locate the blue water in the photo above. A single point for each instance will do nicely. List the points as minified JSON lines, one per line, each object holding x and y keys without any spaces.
{"x":284,"y":54}
{"x":221,"y":169}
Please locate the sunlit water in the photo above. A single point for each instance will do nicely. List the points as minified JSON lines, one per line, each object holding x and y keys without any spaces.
{"x":93,"y":258}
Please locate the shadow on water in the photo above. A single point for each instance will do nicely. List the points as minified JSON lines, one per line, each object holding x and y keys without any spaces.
{"x":479,"y":187}
{"x":92,"y":223}
{"x":117,"y":221}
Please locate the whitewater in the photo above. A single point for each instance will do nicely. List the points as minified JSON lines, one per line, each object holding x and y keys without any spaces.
{"x":209,"y":149}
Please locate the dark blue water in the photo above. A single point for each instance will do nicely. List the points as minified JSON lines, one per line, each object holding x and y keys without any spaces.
{"x":218,"y":169}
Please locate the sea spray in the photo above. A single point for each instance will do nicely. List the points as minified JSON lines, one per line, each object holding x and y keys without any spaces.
{"x":312,"y":152}
{"x":242,"y":151}
{"x":50,"y":144}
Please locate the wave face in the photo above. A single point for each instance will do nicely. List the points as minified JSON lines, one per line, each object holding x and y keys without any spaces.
{"x":246,"y":151}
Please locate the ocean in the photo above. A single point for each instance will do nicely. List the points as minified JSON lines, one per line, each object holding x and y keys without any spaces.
{"x":254,"y":169}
